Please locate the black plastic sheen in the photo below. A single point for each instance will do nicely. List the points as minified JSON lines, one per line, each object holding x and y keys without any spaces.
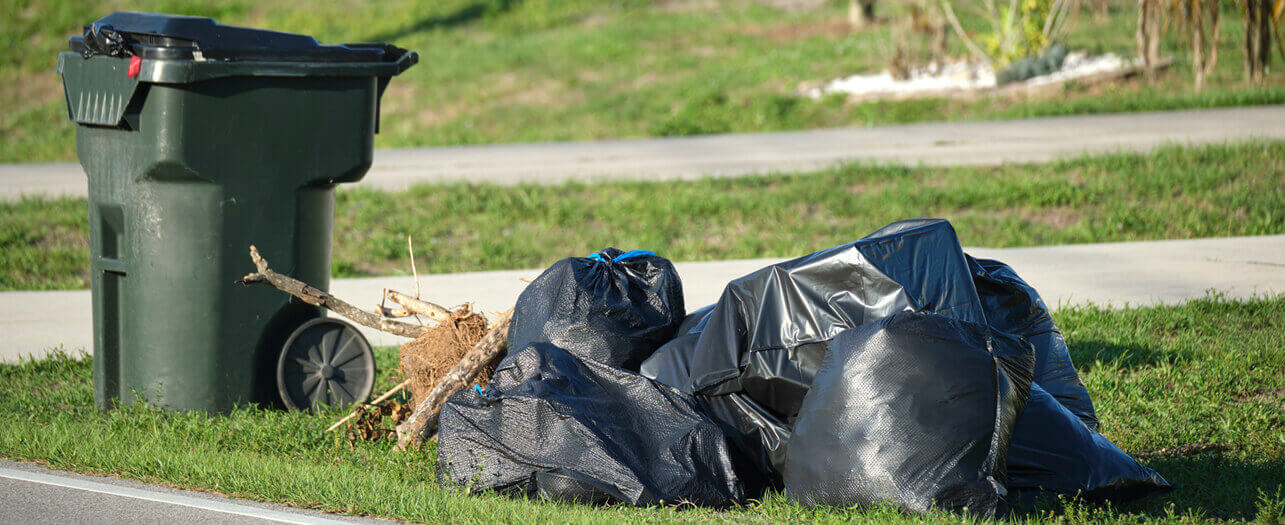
{"x":553,"y":425}
{"x":915,"y":410}
{"x":174,"y":37}
{"x":1013,"y":306}
{"x":752,"y":359}
{"x":615,"y":307}
{"x":1052,"y":450}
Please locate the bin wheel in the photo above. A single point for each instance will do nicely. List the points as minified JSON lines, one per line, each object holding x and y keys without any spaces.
{"x":325,"y":362}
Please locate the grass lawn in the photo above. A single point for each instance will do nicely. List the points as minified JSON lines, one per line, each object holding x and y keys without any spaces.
{"x":549,"y":70}
{"x":1172,"y":193}
{"x":1211,"y":371}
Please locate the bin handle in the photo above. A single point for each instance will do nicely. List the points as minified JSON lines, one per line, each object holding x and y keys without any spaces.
{"x":404,"y":57}
{"x":405,"y":60}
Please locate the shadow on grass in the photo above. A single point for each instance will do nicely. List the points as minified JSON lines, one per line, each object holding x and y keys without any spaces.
{"x":462,"y":16}
{"x":1208,"y":485}
{"x":1088,"y":354}
{"x":1214,"y":485}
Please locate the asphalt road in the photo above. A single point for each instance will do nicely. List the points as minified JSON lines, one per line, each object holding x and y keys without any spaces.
{"x":30,"y":494}
{"x":933,"y":144}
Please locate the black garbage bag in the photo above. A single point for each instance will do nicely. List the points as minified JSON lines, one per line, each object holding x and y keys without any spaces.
{"x":1015,"y":307}
{"x":752,"y":358}
{"x":767,"y":333}
{"x":613,"y":307}
{"x":914,"y":410}
{"x":757,"y":438}
{"x":553,"y":425}
{"x":1055,"y":447}
{"x":1052,"y":450}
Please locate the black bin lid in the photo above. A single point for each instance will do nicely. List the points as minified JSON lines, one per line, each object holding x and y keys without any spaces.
{"x":175,"y":37}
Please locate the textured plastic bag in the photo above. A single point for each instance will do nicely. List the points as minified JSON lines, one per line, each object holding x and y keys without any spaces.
{"x":914,"y":410}
{"x":553,"y":425}
{"x":757,"y":438}
{"x":613,"y":307}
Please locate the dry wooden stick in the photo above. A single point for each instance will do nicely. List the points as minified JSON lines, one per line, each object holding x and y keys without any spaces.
{"x":317,"y":297}
{"x":418,"y":306}
{"x":398,"y":312}
{"x":410,"y":247}
{"x":394,"y":312}
{"x":377,"y":401}
{"x":423,"y":422}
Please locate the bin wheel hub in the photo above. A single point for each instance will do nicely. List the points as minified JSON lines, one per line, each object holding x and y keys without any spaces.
{"x":325,"y":362}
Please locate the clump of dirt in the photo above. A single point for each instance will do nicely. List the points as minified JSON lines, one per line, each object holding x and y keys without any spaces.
{"x":430,"y":356}
{"x":369,"y":423}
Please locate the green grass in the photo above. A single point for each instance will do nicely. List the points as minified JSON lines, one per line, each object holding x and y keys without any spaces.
{"x":1172,"y":193}
{"x":549,"y":70}
{"x":1209,"y":371}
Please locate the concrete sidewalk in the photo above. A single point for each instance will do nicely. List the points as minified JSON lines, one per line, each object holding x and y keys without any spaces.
{"x":1115,"y":274}
{"x":935,"y":144}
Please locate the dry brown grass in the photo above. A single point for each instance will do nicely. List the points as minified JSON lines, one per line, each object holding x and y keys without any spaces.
{"x":430,"y":356}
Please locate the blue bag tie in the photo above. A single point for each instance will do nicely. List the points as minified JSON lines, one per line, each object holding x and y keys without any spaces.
{"x":631,"y":254}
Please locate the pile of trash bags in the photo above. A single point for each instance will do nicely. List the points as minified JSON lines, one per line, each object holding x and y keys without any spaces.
{"x":894,"y":369}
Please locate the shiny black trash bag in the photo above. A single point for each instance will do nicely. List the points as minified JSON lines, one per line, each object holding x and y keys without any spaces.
{"x":913,"y":410}
{"x":757,"y":438}
{"x":1053,"y":451}
{"x":613,"y":307}
{"x":766,"y":335}
{"x":556,"y":426}
{"x":752,"y":358}
{"x":1015,"y":307}
{"x":1055,"y":447}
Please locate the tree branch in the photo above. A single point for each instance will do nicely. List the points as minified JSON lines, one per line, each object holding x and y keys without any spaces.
{"x":317,"y":297}
{"x":418,"y":306}
{"x":959,"y":30}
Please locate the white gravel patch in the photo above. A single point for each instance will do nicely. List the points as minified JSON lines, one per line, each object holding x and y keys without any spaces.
{"x":963,"y":76}
{"x":1079,"y":65}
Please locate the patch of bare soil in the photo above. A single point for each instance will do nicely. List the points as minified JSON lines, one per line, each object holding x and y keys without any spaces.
{"x":685,"y":6}
{"x":1057,"y":217}
{"x":832,"y":29}
{"x":31,"y":90}
{"x":794,"y":5}
{"x":866,"y":187}
{"x":1186,"y":450}
{"x":406,"y":98}
{"x":1276,"y":396}
{"x":432,"y":355}
{"x":63,"y":237}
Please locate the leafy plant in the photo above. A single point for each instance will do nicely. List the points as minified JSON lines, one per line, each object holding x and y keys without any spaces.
{"x":1023,"y":28}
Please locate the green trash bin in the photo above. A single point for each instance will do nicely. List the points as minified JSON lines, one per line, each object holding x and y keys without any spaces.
{"x":199,"y":140}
